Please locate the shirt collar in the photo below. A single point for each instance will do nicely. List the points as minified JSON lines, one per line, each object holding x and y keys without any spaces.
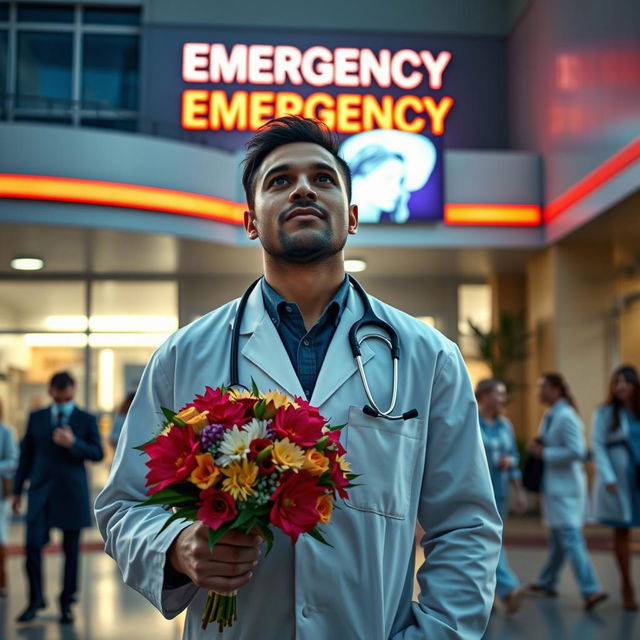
{"x":276,"y":305}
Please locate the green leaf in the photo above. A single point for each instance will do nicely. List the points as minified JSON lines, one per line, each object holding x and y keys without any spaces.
{"x":259,"y":409}
{"x":178,"y":515}
{"x":315,"y":533}
{"x":254,"y":389}
{"x":214,"y":536}
{"x":338,"y":427}
{"x":321,"y":445}
{"x":267,"y":534}
{"x":245,"y":515}
{"x":168,"y":414}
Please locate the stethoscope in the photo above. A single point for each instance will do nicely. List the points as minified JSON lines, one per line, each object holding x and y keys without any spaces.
{"x":369,"y":318}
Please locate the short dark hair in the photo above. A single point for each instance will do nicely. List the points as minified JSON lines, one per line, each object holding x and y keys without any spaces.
{"x":61,"y":381}
{"x":488,"y":385}
{"x":287,"y":130}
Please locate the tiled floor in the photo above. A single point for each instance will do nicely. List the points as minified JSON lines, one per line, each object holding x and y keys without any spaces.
{"x":108,"y":610}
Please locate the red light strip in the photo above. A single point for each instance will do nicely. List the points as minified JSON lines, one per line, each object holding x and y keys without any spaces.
{"x":521,"y":215}
{"x":117,"y":194}
{"x":607,"y":170}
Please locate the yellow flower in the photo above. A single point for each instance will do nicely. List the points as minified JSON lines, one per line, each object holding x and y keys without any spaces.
{"x":343,"y":464}
{"x":287,"y":455}
{"x":239,"y":394}
{"x":315,"y":463}
{"x":274,"y":400}
{"x":325,"y":507}
{"x":241,"y":476}
{"x":191,"y":416}
{"x":206,"y":473}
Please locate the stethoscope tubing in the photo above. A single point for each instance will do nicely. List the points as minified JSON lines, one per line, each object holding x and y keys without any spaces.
{"x":368,"y":319}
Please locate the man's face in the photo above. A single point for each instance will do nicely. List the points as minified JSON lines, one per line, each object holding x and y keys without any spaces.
{"x":301,"y":213}
{"x":547,"y":394}
{"x":60,"y":396}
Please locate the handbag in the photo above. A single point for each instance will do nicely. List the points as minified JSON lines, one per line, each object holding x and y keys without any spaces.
{"x":532,"y":473}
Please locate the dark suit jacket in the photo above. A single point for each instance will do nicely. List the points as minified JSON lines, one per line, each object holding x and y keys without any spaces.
{"x":58,"y":480}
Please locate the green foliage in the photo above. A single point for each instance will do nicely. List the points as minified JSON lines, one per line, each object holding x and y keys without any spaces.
{"x":501,"y":347}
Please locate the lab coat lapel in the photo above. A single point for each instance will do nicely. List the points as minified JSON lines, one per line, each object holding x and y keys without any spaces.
{"x":264,"y":347}
{"x":339,"y":365}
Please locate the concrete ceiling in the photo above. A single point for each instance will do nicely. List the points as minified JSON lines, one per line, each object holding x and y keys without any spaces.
{"x":74,"y":251}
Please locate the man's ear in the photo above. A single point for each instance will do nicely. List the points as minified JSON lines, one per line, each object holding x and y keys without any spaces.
{"x":250,"y":224}
{"x":353,"y":219}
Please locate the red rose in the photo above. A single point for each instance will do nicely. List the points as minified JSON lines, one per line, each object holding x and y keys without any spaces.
{"x":295,"y":508}
{"x":334,"y":438}
{"x":338,"y":477}
{"x":216,"y":508}
{"x":172,"y":457}
{"x":221,"y":409}
{"x":301,"y":426}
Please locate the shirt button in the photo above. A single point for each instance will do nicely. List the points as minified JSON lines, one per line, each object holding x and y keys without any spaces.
{"x":275,"y":320}
{"x":307,"y":392}
{"x":288,"y":308}
{"x":306,"y":612}
{"x":305,"y":343}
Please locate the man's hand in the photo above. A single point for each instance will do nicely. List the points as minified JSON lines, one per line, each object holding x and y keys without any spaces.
{"x":536,"y":449}
{"x":16,"y":503}
{"x":612,"y":487}
{"x":63,"y":436}
{"x":505,"y":463}
{"x":226,"y":568}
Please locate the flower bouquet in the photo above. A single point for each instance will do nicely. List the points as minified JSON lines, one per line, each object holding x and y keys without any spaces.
{"x":240,"y":459}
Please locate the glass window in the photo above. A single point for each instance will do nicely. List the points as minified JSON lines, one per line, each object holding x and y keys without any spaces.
{"x":110,"y":71}
{"x":112,"y":16}
{"x":27,"y":305}
{"x":474,"y":305}
{"x":4,"y":12}
{"x":120,"y":125}
{"x":3,"y":61}
{"x":44,"y":67}
{"x":31,"y":360}
{"x":130,"y":307}
{"x":39,"y":12}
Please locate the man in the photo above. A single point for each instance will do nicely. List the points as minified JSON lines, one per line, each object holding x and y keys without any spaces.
{"x":58,"y":440}
{"x":294,"y":338}
{"x":564,"y":491}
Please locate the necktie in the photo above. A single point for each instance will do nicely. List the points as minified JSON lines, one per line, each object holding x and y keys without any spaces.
{"x":60,"y":419}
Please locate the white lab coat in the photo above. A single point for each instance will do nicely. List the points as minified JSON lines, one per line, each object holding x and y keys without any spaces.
{"x":564,"y":487}
{"x":612,"y":465}
{"x":432,"y":468}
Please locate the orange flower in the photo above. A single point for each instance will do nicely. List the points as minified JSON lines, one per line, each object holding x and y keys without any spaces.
{"x":315,"y":463}
{"x":324,"y":507}
{"x":206,"y":473}
{"x":192,"y":416}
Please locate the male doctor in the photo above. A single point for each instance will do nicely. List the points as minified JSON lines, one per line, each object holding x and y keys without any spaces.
{"x":294,"y":338}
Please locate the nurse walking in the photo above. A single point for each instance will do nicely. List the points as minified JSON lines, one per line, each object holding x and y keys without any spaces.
{"x":503,"y":458}
{"x":616,"y":448}
{"x":561,"y":446}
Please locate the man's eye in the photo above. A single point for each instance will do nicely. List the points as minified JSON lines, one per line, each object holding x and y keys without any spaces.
{"x":325,"y":177}
{"x":278,"y":181}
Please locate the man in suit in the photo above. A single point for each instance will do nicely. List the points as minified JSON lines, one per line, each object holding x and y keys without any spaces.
{"x":57,"y":442}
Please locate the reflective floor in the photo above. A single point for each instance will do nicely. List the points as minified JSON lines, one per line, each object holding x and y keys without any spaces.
{"x":107,"y":610}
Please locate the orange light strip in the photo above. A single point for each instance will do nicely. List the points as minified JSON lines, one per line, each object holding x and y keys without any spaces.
{"x":523,"y":215}
{"x":607,"y":170}
{"x":117,"y":194}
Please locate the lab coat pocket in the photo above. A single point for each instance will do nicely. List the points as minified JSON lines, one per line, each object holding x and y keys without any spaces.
{"x":383,"y":453}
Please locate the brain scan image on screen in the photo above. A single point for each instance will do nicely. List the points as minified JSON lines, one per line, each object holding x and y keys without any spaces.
{"x":386,"y":167}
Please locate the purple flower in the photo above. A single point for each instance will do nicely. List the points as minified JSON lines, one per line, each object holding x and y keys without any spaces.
{"x":210,"y":435}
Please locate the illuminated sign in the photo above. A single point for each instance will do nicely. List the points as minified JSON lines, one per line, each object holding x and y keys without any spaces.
{"x":316,"y":67}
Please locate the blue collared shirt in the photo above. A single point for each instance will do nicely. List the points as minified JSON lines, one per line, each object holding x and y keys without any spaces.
{"x":306,"y":349}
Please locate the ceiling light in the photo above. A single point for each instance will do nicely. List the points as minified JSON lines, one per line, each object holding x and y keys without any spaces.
{"x":354,"y":265}
{"x":27,"y":264}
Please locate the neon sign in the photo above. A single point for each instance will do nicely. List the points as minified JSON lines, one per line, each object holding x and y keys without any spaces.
{"x":319,"y":67}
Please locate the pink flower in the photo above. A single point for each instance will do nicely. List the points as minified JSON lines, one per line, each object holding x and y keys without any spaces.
{"x":216,"y":508}
{"x":221,"y":409}
{"x":295,"y":508}
{"x":172,"y":457}
{"x":303,"y":426}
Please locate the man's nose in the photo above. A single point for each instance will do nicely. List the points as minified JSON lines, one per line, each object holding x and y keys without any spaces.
{"x":302,"y":190}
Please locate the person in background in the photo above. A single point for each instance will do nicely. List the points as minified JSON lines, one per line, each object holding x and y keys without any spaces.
{"x":58,"y":440}
{"x":616,"y":449}
{"x":8,"y":463}
{"x":118,"y":419}
{"x":503,"y":458}
{"x":561,"y":446}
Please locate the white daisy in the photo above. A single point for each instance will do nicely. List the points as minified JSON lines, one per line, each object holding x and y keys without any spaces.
{"x":233,"y":446}
{"x":256,"y":429}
